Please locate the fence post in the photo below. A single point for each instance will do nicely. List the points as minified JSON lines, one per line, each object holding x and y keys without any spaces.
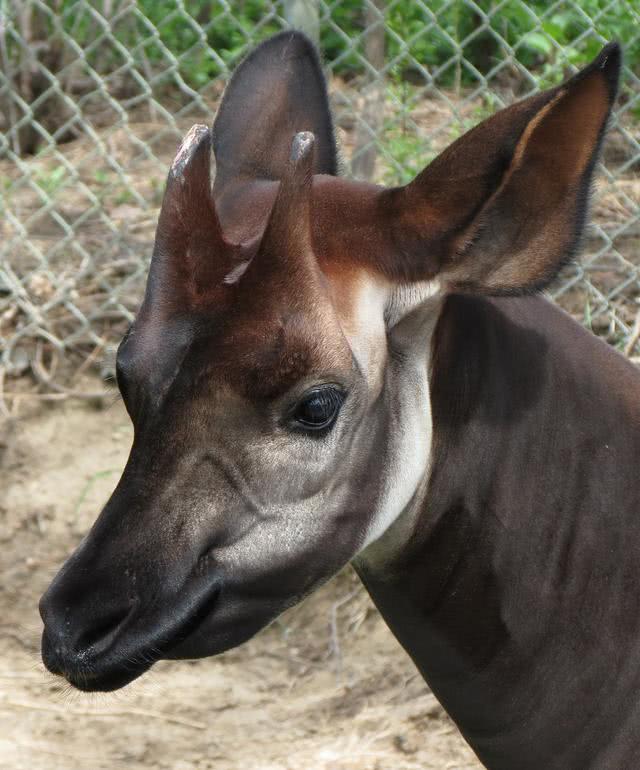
{"x":365,"y":150}
{"x":303,"y":15}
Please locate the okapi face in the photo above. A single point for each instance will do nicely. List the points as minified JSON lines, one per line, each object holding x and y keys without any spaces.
{"x":277,"y":374}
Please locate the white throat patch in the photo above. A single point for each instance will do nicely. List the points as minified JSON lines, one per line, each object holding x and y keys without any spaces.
{"x":408,"y":447}
{"x":402,"y":319}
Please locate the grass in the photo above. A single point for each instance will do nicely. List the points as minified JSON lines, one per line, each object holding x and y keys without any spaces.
{"x":50,"y":180}
{"x":89,"y":485}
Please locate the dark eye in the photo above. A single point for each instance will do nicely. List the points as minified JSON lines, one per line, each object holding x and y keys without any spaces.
{"x":319,"y":408}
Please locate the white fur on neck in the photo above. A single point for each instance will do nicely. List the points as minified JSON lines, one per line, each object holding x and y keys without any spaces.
{"x":409,"y":449}
{"x":404,"y":317}
{"x":406,"y":297}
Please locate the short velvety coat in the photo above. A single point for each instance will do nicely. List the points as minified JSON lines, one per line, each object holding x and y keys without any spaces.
{"x":480,"y":470}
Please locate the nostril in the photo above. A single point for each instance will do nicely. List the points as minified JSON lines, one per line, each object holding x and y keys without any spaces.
{"x":102,"y":632}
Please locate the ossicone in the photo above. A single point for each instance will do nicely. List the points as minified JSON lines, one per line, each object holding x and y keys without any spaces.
{"x":286,"y":246}
{"x":191,"y":255}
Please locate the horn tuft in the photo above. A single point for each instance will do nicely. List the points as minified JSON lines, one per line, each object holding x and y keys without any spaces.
{"x":301,"y":146}
{"x":190,"y":145}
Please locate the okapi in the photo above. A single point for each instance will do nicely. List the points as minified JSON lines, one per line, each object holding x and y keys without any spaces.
{"x":326,"y":371}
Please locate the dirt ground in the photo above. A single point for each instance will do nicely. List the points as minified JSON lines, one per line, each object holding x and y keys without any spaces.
{"x":326,"y":687}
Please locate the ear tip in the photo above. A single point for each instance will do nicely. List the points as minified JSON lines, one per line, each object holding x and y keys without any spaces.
{"x":609,"y":62}
{"x":290,"y":44}
{"x":611,"y":53}
{"x":294,"y":42}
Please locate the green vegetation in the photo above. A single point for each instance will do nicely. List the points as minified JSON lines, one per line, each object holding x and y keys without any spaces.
{"x":440,"y":35}
{"x":51,"y":180}
{"x":541,"y":35}
{"x":404,"y":154}
{"x":174,"y":47}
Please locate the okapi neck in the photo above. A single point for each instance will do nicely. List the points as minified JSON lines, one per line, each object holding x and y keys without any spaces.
{"x":516,"y":590}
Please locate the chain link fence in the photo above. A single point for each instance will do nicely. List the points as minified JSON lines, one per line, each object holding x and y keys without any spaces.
{"x":95,"y":96}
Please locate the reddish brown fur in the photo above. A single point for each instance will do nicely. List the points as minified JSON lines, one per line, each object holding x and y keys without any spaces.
{"x":499,"y":223}
{"x":310,"y":292}
{"x":522,"y":160}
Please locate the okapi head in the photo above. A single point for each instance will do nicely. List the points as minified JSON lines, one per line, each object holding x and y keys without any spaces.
{"x":277,"y":373}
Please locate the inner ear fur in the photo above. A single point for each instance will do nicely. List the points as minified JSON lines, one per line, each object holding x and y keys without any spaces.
{"x":503,"y":208}
{"x":278,"y":91}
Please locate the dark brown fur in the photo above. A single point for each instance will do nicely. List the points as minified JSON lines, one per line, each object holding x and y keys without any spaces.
{"x":497,"y":531}
{"x":517,"y":596}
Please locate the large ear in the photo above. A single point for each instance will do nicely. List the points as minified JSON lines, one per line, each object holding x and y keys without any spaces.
{"x":276,"y":92}
{"x":503,"y":208}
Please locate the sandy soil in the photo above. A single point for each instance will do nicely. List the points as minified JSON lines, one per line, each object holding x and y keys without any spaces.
{"x":326,"y":687}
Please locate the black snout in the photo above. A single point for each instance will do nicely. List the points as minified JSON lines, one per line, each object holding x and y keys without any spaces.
{"x":80,"y":630}
{"x":105,"y":625}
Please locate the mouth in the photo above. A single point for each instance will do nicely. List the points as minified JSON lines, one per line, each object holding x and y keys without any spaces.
{"x":105,"y":670}
{"x":88,"y":672}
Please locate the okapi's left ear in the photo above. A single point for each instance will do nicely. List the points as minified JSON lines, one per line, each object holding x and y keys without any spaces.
{"x":278,"y":91}
{"x":503,"y":208}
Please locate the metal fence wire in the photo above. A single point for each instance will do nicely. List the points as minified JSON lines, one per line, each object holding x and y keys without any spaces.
{"x":95,"y":96}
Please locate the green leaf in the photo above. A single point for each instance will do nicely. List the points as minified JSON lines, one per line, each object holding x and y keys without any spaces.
{"x":539,"y":42}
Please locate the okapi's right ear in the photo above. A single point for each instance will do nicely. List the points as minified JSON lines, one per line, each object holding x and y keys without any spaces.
{"x":278,"y":91}
{"x":503,"y":208}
